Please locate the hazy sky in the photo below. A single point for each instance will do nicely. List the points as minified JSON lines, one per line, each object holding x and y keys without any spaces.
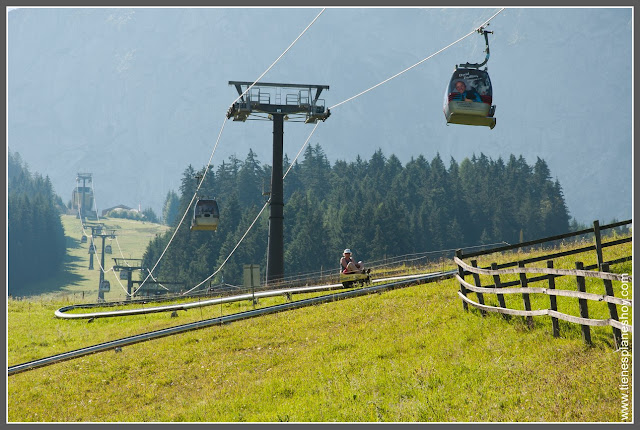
{"x":94,"y":83}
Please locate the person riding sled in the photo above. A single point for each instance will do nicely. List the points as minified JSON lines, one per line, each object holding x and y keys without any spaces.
{"x":349,"y":265}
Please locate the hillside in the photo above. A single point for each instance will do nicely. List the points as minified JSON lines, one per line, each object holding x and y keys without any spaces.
{"x":77,"y":282}
{"x":410,"y":355}
{"x":134,"y":95}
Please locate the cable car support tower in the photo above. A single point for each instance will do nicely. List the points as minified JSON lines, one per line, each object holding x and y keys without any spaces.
{"x":278,"y":103}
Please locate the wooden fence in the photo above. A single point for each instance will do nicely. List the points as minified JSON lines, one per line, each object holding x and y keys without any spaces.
{"x":549,"y":274}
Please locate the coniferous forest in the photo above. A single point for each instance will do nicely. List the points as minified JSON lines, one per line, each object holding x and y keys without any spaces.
{"x":35,"y":234}
{"x":378,"y":208}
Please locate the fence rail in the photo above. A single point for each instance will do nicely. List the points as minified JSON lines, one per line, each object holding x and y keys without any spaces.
{"x":596,"y":230}
{"x":548,"y":271}
{"x":549,"y":274}
{"x":552,"y":313}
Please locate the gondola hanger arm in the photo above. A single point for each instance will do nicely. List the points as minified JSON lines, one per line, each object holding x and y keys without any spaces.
{"x":480,"y":30}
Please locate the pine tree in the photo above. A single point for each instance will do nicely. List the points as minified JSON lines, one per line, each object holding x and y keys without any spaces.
{"x":390,"y":225}
{"x":249,"y":183}
{"x":292,"y":178}
{"x":36,"y":241}
{"x":150,"y":216}
{"x":455,"y":237}
{"x":170,"y":208}
{"x":315,"y":171}
{"x":377,"y":208}
{"x":308,"y":247}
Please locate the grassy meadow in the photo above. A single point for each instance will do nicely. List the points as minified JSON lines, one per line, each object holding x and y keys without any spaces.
{"x":79,"y":284}
{"x":409,"y":355}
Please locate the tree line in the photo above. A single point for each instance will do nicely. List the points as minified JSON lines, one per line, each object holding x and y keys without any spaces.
{"x":146,"y":215}
{"x":36,"y":241}
{"x":377,"y":207}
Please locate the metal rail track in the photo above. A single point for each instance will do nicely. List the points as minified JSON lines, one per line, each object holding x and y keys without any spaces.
{"x":119,"y":343}
{"x":62,"y":312}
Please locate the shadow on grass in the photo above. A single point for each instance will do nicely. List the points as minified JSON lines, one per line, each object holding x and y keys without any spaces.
{"x":54,"y":284}
{"x":73,"y":243}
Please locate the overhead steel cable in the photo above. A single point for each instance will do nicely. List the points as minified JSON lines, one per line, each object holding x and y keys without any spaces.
{"x":303,"y":146}
{"x":254,"y":221}
{"x":314,"y":129}
{"x":121,"y":254}
{"x":300,"y":151}
{"x":206,"y":171}
{"x":232,"y":251}
{"x":278,"y":59}
{"x":195,"y":194}
{"x":92,"y":246}
{"x":211,"y":157}
{"x":124,"y":289}
{"x":156,"y":281}
{"x":419,"y":62}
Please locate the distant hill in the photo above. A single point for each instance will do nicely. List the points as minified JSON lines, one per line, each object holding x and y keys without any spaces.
{"x":134,"y":96}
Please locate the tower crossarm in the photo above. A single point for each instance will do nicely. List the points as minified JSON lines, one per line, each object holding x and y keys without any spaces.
{"x":300,"y":102}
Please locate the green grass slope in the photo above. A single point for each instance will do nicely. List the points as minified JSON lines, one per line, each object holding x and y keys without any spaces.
{"x":409,"y":355}
{"x":76,"y":282}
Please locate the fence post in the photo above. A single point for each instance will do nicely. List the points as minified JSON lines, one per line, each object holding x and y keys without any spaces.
{"x":554,"y":302}
{"x":584,"y":310}
{"x":463,"y":290}
{"x":596,"y":232}
{"x":498,"y":284}
{"x":476,"y":281}
{"x":525,"y":296}
{"x":613,"y":310}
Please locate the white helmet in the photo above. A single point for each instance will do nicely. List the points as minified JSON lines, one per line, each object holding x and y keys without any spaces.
{"x":347,"y":251}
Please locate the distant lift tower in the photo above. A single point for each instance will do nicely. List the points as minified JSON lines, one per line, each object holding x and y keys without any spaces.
{"x":125,"y":267}
{"x":81,"y":199}
{"x":277,"y":103}
{"x":103,"y":234}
